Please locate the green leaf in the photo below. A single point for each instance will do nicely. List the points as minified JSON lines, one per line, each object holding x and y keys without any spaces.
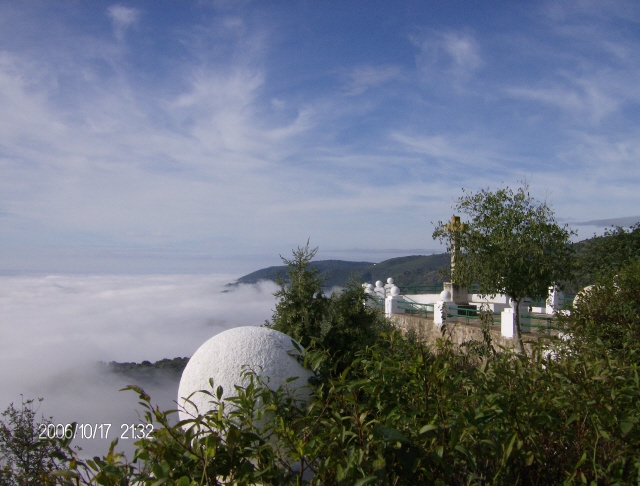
{"x":363,"y":481}
{"x":626,"y":425}
{"x":389,"y":434}
{"x":427,"y":428}
{"x":183,"y":481}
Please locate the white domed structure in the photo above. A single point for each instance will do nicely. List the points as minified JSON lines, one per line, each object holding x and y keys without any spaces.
{"x":227,"y":355}
{"x":581,"y":295}
{"x":445,"y":295}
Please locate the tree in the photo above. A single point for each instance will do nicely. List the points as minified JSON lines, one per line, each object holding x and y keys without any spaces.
{"x":25,"y":459}
{"x":511,"y":245}
{"x":349,"y":326}
{"x":302,"y":305}
{"x":608,"y":316}
{"x":340,"y":325}
{"x":602,"y":255}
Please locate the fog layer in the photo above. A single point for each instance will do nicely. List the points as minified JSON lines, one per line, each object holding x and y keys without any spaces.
{"x":56,"y":329}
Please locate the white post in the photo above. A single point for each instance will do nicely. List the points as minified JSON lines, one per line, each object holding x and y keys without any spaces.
{"x":508,"y":322}
{"x":368,"y":289}
{"x":391,"y":302}
{"x":380,"y":290}
{"x":553,"y":301}
{"x":441,"y":307}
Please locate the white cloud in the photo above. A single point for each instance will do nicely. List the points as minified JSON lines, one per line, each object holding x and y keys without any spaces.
{"x":448,"y":55}
{"x":585,"y":99}
{"x":450,"y":153}
{"x":122,"y":18}
{"x":463,"y":49}
{"x":362,"y":78}
{"x":226,"y":136}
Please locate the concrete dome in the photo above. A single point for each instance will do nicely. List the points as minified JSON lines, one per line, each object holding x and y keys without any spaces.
{"x":445,"y":295}
{"x":225,"y":356}
{"x":581,"y":295}
{"x":395,"y":291}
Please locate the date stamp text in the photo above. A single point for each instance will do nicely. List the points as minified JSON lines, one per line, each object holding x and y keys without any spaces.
{"x":94,"y":431}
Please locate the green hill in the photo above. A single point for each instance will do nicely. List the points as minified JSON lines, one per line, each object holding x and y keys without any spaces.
{"x":408,"y":270}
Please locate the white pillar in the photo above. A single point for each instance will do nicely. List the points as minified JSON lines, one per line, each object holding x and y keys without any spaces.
{"x":368,"y":289}
{"x":391,"y":302}
{"x":553,"y":301}
{"x":508,"y":323}
{"x":391,"y":306}
{"x":441,"y":307}
{"x":380,"y":290}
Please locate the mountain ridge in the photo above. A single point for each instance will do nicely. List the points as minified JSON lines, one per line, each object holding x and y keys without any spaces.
{"x":405,"y":270}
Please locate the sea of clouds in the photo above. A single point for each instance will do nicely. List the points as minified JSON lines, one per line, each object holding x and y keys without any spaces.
{"x":57,"y":329}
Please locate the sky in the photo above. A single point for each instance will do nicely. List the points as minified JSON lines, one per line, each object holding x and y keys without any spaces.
{"x":158,"y":137}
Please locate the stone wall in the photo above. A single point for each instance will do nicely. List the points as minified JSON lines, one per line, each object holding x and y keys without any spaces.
{"x":458,"y":332}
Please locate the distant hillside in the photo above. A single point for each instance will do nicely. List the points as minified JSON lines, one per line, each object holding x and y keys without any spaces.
{"x":425,"y":270}
{"x":147,"y":372}
{"x":409,"y":270}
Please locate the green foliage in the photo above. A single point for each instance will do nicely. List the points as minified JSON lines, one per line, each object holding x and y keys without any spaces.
{"x":348,"y":326}
{"x":602,"y":255}
{"x":608,"y":316}
{"x":402,"y":413}
{"x":406,"y":414}
{"x":511,"y":245}
{"x":302,"y":305}
{"x":25,"y":459}
{"x":340,"y":325}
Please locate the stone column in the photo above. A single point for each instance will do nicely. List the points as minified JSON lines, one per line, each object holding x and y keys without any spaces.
{"x":391,"y":302}
{"x":553,"y":301}
{"x":459,"y":295}
{"x":508,"y":323}
{"x":441,"y":307}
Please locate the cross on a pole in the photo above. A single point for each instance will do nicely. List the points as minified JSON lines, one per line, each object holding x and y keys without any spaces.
{"x":455,"y":227}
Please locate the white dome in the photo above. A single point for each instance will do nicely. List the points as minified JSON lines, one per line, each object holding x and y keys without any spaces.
{"x":390,"y":281}
{"x":395,"y":291}
{"x":225,"y":356}
{"x":379,"y":283}
{"x":445,"y":295}
{"x":582,"y":294}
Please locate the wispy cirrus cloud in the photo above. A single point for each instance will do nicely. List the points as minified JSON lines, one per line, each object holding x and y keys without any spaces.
{"x":240,"y":127}
{"x":454,"y":54}
{"x":122,"y":18}
{"x":362,"y":78}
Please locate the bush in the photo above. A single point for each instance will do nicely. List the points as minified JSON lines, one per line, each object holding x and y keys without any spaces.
{"x":608,"y":316}
{"x":25,"y":459}
{"x":339,"y":325}
{"x":406,"y":414}
{"x":402,"y":413}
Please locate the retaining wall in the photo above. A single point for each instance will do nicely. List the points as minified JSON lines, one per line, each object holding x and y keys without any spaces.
{"x":427,"y":332}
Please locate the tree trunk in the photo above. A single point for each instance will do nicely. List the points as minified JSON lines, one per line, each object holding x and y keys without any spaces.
{"x":518,"y":328}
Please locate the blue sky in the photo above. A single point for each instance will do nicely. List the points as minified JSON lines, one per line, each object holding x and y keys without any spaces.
{"x":194,"y":137}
